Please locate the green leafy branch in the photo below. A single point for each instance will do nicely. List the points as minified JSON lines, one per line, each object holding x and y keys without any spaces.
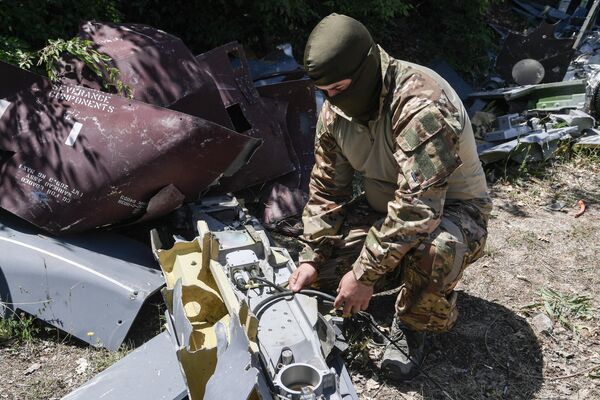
{"x":15,"y":51}
{"x":48,"y":58}
{"x":82,"y":49}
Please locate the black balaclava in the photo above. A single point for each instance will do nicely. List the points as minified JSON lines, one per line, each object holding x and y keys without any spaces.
{"x":340,"y":47}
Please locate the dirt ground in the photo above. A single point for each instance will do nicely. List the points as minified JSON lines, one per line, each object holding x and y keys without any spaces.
{"x":496,"y":350}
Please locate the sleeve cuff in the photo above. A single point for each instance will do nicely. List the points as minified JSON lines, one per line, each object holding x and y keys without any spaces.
{"x":363,"y":271}
{"x":307,"y":254}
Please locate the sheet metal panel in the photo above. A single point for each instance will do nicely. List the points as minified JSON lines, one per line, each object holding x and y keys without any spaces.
{"x":149,"y":372}
{"x":91,"y":286}
{"x":542,"y":45}
{"x":158,"y":66}
{"x":301,"y":120}
{"x":250,"y":114}
{"x":122,"y":154}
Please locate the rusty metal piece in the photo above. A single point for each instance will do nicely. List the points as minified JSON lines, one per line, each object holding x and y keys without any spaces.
{"x":582,"y":207}
{"x":301,"y":120}
{"x":281,"y":203}
{"x":158,"y":66}
{"x":250,"y":114}
{"x":542,"y":45}
{"x":75,"y":158}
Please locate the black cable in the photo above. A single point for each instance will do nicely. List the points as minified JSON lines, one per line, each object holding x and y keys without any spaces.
{"x":274,"y":297}
{"x":269,"y":283}
{"x":367,"y":317}
{"x":317,"y":293}
{"x":282,"y":293}
{"x":278,"y":296}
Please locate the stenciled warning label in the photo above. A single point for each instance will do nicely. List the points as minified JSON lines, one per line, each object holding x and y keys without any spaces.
{"x":54,"y":188}
{"x":86,"y":97}
{"x":132,"y":203}
{"x":62,"y":192}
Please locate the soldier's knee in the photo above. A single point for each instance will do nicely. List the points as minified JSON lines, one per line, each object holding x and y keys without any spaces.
{"x":431,"y":312}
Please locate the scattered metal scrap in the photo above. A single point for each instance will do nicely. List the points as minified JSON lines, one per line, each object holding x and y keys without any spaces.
{"x":559,"y":92}
{"x":91,"y":286}
{"x":281,"y":347}
{"x":73,"y":158}
{"x":85,"y":159}
{"x":97,"y":146}
{"x":77,"y":158}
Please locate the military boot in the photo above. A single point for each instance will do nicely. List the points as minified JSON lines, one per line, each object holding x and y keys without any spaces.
{"x":395,"y":362}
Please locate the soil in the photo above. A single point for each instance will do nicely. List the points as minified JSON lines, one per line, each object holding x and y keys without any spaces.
{"x":495,"y":350}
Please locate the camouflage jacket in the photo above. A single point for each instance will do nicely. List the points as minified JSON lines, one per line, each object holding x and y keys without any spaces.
{"x":411,"y":158}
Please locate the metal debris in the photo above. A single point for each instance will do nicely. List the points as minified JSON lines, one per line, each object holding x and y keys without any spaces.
{"x":558,"y":99}
{"x":251,"y":114}
{"x":158,"y":66}
{"x":509,"y":126}
{"x":78,"y":158}
{"x":542,"y":45}
{"x":589,"y":141}
{"x":149,"y":372}
{"x":537,"y":146}
{"x":233,"y":359}
{"x":301,"y":120}
{"x":528,"y":72}
{"x":73,"y":281}
{"x":218,"y":277}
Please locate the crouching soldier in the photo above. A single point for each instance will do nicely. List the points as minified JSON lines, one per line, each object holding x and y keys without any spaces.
{"x":424,"y":213}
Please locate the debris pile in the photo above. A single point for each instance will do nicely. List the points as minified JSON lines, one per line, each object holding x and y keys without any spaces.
{"x":75,"y":158}
{"x":546,"y":91}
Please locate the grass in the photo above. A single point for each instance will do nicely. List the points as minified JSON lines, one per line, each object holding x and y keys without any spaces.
{"x":19,"y":327}
{"x":490,"y":251}
{"x":100,"y":359}
{"x":565,"y":308}
{"x":580,"y":231}
{"x":524,"y":238}
{"x":43,"y":389}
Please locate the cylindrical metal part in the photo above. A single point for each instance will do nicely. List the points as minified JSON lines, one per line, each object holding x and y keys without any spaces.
{"x":287,"y":356}
{"x":294,"y":377}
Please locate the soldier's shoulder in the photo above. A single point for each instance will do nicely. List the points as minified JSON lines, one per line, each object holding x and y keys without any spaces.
{"x":414,"y":80}
{"x":327,"y":118}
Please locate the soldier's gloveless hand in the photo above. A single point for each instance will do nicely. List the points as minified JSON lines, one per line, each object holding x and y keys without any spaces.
{"x":353,"y":295}
{"x":304,"y":276}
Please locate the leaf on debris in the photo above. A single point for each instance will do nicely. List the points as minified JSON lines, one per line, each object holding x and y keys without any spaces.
{"x":82,"y":365}
{"x":32,"y":368}
{"x":372,"y":385}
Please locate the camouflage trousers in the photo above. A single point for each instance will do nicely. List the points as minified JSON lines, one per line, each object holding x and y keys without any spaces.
{"x":428,"y":273}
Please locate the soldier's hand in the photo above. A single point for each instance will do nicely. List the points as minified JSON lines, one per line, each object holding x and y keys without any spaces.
{"x":304,"y":276}
{"x":353,"y":295}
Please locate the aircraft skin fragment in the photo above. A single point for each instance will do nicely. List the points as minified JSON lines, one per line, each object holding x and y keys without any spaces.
{"x":149,"y":372}
{"x":75,"y":158}
{"x":73,"y":281}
